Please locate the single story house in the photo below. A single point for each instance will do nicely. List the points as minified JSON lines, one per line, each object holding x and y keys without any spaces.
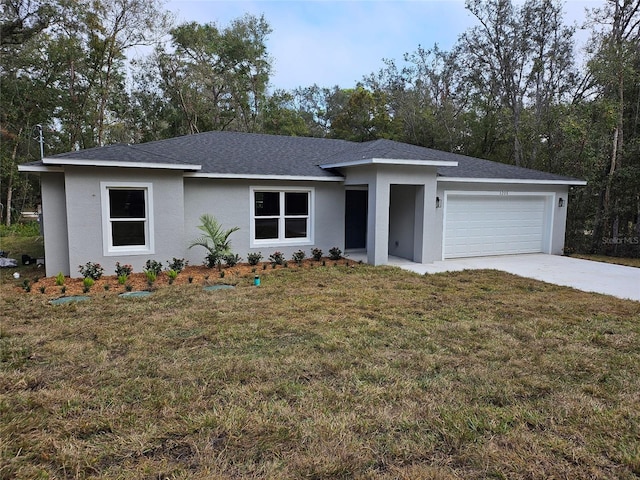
{"x":131,"y":203}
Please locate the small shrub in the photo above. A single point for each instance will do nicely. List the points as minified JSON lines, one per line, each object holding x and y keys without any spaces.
{"x":153,"y":266}
{"x":91,"y":270}
{"x":42,"y":289}
{"x":222,"y":274}
{"x":232,"y":259}
{"x":298,"y":257}
{"x":172,"y":274}
{"x":264,"y":266}
{"x":177,"y":264}
{"x":253,"y":270}
{"x":128,"y":287}
{"x":316,"y":253}
{"x":87,"y":284}
{"x":335,"y":253}
{"x":276,"y":258}
{"x":213,"y":259}
{"x":122,"y":279}
{"x":106,"y":287}
{"x":285,"y":264}
{"x":152,"y":276}
{"x":190,"y":279}
{"x":60,"y":279}
{"x":125,"y":270}
{"x":254,"y":258}
{"x":63,"y":290}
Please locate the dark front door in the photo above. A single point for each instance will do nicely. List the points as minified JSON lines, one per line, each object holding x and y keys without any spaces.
{"x":356,"y":219}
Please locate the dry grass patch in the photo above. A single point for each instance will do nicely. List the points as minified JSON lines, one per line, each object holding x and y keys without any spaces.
{"x":329,"y":372}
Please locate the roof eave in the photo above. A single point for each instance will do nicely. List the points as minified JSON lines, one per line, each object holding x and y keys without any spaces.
{"x":531,"y":181}
{"x":39,"y":169}
{"x":251,"y":176}
{"x":81,"y":162}
{"x":391,"y":161}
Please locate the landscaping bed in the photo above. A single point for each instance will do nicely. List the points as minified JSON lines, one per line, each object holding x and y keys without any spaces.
{"x":106,"y":285}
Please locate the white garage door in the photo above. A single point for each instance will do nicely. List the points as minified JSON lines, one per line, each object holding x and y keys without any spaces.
{"x":478,"y":225}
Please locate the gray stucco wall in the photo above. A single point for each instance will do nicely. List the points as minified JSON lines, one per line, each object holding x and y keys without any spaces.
{"x":229,"y":202}
{"x":84,"y":216}
{"x":557,"y":215}
{"x":402,"y":220}
{"x":390,"y":211}
{"x":54,"y":224}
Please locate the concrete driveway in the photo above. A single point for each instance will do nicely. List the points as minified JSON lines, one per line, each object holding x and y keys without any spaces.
{"x":616,"y":280}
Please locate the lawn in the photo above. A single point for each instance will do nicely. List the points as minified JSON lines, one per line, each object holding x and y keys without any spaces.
{"x":627,"y":261}
{"x":329,"y":372}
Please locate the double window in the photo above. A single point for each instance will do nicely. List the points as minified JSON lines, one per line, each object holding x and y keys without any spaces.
{"x":281,"y":216}
{"x":127,"y":218}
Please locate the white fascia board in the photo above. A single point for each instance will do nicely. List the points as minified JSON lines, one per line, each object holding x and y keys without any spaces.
{"x":97,"y":163}
{"x":511,"y":180}
{"x":391,"y":161}
{"x":39,"y":169}
{"x":247,"y":176}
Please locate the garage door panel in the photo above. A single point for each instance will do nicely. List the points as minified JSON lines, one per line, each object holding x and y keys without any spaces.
{"x":479,"y":225}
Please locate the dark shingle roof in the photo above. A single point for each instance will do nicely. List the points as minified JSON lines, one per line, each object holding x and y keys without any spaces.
{"x":237,"y":153}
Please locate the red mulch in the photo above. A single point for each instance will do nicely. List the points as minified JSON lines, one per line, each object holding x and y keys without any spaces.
{"x":199,"y":275}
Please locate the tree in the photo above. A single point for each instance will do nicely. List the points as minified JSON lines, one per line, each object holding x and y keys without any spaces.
{"x":615,"y":69}
{"x":363,"y":117}
{"x":27,"y":96}
{"x":280,"y":117}
{"x":216,"y":78}
{"x":522,"y":58}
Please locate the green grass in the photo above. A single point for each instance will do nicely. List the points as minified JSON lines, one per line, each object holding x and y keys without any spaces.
{"x":629,"y":262}
{"x":331,"y":372}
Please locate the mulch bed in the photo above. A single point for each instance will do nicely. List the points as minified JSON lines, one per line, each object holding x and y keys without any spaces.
{"x":197,"y":275}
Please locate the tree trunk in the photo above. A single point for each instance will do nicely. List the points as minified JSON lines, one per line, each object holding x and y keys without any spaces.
{"x":14,"y":155}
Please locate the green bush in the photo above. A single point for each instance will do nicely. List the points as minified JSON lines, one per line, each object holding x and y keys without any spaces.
{"x":125,"y":270}
{"x":28,"y":229}
{"x":335,"y":253}
{"x":298,"y":257}
{"x":232,"y":259}
{"x":254,"y":258}
{"x":176,"y":264}
{"x":153,"y":266}
{"x":91,"y":270}
{"x":276,"y":258}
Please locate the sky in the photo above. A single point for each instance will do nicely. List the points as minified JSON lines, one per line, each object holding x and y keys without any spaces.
{"x":330,"y":43}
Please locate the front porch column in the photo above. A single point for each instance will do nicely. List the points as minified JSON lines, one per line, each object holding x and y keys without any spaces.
{"x":425,"y":232}
{"x":378,"y":221}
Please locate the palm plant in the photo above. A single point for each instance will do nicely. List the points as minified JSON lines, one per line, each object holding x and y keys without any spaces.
{"x":215,"y":240}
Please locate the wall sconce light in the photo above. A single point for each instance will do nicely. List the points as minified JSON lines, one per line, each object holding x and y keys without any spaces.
{"x":437,"y":202}
{"x":561,"y":202}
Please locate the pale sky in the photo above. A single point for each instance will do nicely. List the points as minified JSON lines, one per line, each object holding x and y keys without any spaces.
{"x":330,"y":42}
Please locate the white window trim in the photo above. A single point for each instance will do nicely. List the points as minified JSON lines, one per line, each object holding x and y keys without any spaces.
{"x":284,"y":242}
{"x":108,"y":248}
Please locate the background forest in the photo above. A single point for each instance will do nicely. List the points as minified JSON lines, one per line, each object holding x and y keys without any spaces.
{"x":510,"y":90}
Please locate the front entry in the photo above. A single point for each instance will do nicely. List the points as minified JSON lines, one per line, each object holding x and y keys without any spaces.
{"x":355,"y":220}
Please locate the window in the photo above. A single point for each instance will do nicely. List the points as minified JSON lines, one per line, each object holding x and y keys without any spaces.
{"x":127,"y":218}
{"x":281,"y":216}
